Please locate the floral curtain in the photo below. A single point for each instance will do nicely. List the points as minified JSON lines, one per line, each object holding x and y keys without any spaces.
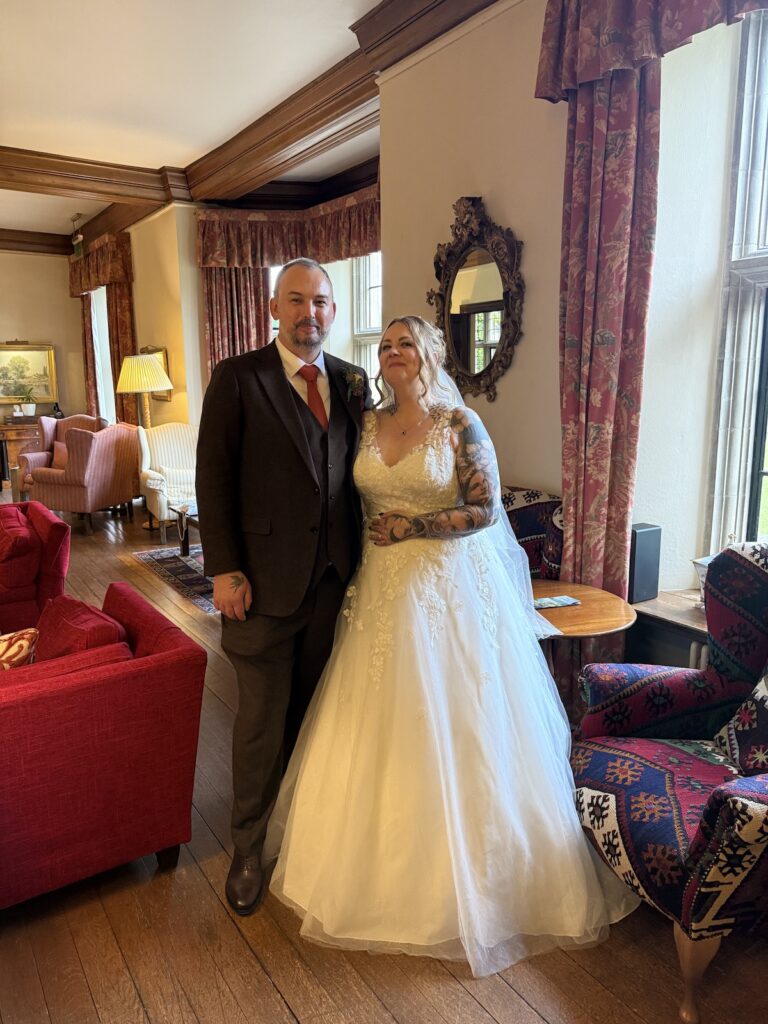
{"x":603,"y":57}
{"x":236,"y":248}
{"x":122,"y":343}
{"x":237,"y":311}
{"x":107,"y":263}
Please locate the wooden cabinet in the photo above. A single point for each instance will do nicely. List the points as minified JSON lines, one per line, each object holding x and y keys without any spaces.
{"x":16,"y":438}
{"x":671,"y":629}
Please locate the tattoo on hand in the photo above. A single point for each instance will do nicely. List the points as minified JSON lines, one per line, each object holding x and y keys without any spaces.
{"x":478,"y":476}
{"x":236,"y":581}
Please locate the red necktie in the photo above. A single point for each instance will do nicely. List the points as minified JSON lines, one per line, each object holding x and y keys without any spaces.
{"x":316,"y":405}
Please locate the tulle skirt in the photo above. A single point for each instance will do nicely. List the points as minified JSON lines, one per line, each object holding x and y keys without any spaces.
{"x":428,"y":806}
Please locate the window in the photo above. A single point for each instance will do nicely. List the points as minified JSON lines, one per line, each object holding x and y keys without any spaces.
{"x":757,"y":515}
{"x":740,"y":491}
{"x":100,"y":328}
{"x":273,"y":272}
{"x":366,"y":316}
{"x":484,"y":332}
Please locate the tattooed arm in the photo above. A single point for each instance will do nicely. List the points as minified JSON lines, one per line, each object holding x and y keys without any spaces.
{"x":232,"y":595}
{"x":480,"y":488}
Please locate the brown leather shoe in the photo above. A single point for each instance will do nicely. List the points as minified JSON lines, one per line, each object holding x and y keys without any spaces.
{"x":246,"y":884}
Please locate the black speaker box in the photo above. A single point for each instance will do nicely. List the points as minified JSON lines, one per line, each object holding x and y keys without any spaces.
{"x":644,"y":557}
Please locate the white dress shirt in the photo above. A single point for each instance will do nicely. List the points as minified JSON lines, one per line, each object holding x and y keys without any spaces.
{"x":292,"y":364}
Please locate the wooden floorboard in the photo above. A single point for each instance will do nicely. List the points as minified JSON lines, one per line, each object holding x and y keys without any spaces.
{"x":139,"y":946}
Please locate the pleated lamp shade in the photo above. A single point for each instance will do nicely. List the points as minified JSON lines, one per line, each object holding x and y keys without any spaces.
{"x":140,"y":375}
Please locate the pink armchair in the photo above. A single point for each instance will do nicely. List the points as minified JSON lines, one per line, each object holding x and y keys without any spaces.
{"x":52,"y":430}
{"x":101,"y":472}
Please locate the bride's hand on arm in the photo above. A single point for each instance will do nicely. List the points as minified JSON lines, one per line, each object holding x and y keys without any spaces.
{"x":232,"y":595}
{"x":478,"y":476}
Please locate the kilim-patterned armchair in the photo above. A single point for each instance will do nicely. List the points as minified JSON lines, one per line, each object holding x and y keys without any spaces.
{"x":679,"y":820}
{"x":537,"y":520}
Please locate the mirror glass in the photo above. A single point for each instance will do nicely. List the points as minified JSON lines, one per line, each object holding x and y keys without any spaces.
{"x":475,"y":310}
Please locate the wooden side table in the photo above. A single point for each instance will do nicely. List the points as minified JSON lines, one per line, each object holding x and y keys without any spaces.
{"x":599,"y":614}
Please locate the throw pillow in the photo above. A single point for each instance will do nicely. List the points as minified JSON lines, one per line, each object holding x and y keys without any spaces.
{"x":67,"y":625}
{"x":17,"y":648}
{"x":744,"y":739}
{"x":60,"y":455}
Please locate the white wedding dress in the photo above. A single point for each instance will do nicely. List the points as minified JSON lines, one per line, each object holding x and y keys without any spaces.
{"x":428,"y":806}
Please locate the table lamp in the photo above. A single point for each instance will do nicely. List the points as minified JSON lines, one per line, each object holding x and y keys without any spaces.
{"x":140,"y":375}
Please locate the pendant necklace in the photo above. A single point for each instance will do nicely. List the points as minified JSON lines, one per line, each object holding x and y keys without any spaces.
{"x":412,"y":427}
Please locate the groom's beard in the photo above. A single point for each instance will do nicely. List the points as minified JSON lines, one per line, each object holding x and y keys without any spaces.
{"x":310,"y":341}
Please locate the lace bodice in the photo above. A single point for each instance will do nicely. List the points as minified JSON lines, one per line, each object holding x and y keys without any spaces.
{"x":424,"y":480}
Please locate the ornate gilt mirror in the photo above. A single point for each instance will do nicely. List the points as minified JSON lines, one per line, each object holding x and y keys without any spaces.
{"x":479,"y":299}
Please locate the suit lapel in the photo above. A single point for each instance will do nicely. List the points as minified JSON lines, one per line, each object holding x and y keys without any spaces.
{"x":336,"y":371}
{"x":272,"y":376}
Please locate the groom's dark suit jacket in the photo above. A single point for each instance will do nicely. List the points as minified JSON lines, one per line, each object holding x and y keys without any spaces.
{"x":264,"y":507}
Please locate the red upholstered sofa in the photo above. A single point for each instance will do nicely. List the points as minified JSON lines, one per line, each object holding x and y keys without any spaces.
{"x":97,"y":760}
{"x":34,"y":558}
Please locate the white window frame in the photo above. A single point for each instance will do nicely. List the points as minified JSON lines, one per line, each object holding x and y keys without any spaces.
{"x":365,"y":335}
{"x":745,"y":290}
{"x":105,"y":389}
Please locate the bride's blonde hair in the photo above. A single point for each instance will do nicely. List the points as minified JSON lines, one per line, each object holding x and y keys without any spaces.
{"x":430,"y":344}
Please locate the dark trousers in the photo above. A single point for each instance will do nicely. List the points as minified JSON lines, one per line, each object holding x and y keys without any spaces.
{"x":278,"y":662}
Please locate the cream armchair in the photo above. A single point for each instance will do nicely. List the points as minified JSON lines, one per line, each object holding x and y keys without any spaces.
{"x":167,"y":468}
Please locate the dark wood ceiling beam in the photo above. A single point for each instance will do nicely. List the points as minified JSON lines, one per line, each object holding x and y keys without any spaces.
{"x":300,"y":195}
{"x":27,"y":171}
{"x":35,"y":241}
{"x":115,"y":218}
{"x":397,"y":28}
{"x":332,"y":109}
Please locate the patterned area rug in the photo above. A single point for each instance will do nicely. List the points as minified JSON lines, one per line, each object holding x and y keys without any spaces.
{"x":183,"y":573}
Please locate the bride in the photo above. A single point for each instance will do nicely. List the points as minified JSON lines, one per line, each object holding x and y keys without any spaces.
{"x":428,"y":805}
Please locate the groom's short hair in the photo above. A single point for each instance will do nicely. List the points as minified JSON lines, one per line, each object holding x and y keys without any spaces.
{"x":301,"y":261}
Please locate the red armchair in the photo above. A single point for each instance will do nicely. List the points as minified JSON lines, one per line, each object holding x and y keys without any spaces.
{"x":97,"y":761}
{"x":34,"y":558}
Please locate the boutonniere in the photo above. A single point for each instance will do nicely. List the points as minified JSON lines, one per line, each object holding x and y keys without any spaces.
{"x":355,"y":384}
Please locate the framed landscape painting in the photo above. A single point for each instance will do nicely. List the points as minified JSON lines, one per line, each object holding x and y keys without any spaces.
{"x":24,"y":366}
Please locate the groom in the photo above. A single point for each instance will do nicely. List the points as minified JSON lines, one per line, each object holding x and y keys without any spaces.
{"x":280,"y":524}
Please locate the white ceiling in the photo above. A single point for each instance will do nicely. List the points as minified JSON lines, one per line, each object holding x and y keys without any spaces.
{"x":157,"y":83}
{"x":348,"y":154}
{"x":28,"y":211}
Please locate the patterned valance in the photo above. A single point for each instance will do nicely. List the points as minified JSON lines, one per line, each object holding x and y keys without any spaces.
{"x":107,"y":261}
{"x":584,"y":40}
{"x":337,"y":230}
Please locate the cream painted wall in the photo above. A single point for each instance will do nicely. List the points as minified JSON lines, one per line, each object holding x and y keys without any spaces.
{"x":192,"y":315}
{"x":698,"y":88}
{"x":476,"y":284}
{"x":161,"y":304}
{"x":35,"y":306}
{"x":427,"y":163}
{"x":459,"y":118}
